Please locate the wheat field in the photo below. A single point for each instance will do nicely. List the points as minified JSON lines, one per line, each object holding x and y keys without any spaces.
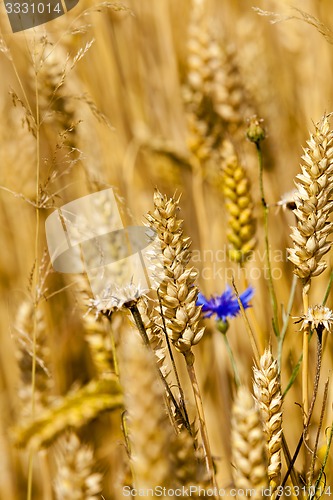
{"x":210,"y":123}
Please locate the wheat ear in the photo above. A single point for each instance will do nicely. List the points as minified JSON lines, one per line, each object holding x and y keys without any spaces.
{"x":75,"y":476}
{"x":239,"y":205}
{"x":267,"y":391}
{"x":248,"y":445}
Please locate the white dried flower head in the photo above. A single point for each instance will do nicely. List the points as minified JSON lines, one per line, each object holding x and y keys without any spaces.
{"x":114,"y":298}
{"x":318,"y":317}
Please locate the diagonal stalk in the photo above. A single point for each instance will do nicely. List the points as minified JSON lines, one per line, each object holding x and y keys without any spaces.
{"x":141,"y":327}
{"x":203,"y":427}
{"x":181,"y":392}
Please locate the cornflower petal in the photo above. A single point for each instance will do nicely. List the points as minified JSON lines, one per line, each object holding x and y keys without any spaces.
{"x":225,"y":305}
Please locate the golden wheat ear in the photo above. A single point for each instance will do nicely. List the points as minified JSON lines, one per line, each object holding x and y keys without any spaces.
{"x":267,"y":391}
{"x":248,"y":445}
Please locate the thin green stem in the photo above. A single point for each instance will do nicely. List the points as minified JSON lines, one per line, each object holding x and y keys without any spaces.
{"x":247,"y":325}
{"x":328,"y":289}
{"x":315,"y":448}
{"x":267,"y":245}
{"x":330,"y":439}
{"x":232,"y":361}
{"x":286,"y":320}
{"x":113,"y":349}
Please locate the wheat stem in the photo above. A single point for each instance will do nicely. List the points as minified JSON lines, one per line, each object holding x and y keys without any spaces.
{"x":113,"y":349}
{"x":141,"y":327}
{"x":35,"y":282}
{"x":286,"y":320}
{"x":305,"y":364}
{"x":202,"y":424}
{"x":181,"y":392}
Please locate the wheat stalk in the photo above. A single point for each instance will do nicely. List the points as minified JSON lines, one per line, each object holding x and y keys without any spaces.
{"x":313,"y":206}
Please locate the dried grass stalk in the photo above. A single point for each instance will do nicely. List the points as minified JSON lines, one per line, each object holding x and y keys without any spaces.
{"x":24,"y":354}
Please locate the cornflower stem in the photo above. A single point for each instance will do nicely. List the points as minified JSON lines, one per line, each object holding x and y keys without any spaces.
{"x":267,"y":246}
{"x":141,"y":327}
{"x":248,"y":326}
{"x":181,"y":392}
{"x":202,"y":424}
{"x":232,"y":361}
{"x":286,"y":320}
{"x":305,"y":364}
{"x":258,"y":330}
{"x":313,"y":400}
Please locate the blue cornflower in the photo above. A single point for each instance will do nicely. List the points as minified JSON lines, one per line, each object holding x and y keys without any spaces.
{"x":225,"y":305}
